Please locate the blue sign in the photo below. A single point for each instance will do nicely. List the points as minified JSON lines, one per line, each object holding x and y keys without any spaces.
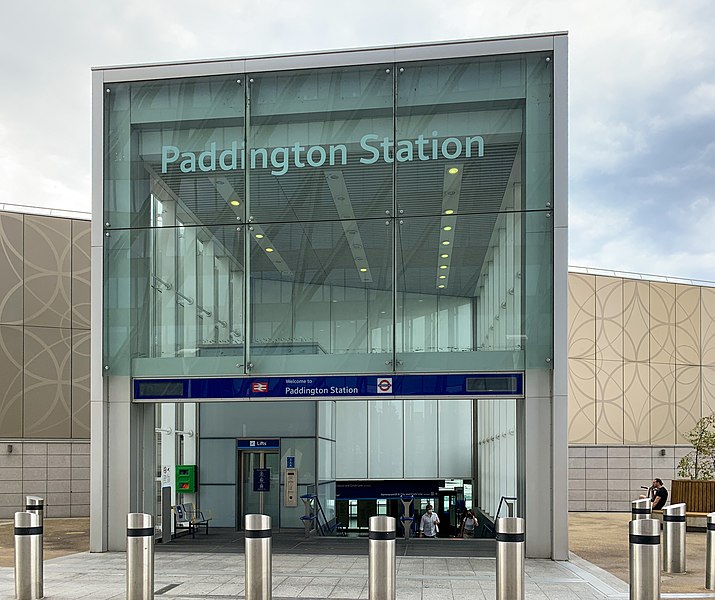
{"x":290,"y":462}
{"x":261,"y":480}
{"x":466,"y":385}
{"x":270,"y":444}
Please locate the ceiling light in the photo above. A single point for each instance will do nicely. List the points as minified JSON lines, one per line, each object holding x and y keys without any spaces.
{"x":259,"y":236}
{"x":449,"y":211}
{"x":441,"y":286}
{"x":235,"y":203}
{"x":447,"y":228}
{"x":445,"y":243}
{"x":443,"y":266}
{"x":363,"y":270}
{"x":269,"y":249}
{"x":453,"y":171}
{"x":443,"y":277}
{"x":444,"y":255}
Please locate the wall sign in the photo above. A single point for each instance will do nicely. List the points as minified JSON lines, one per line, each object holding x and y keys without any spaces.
{"x":467,"y":385}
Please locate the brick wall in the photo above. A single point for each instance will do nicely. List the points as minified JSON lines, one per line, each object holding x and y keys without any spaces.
{"x":57,"y":471}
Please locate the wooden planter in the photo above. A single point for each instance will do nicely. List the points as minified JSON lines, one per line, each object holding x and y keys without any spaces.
{"x":699,"y":496}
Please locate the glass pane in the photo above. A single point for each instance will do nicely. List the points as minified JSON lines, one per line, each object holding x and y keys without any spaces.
{"x":351,"y":435}
{"x":184,"y":138}
{"x":455,"y":439}
{"x":385,"y":439}
{"x":176,"y":293}
{"x":250,"y":500}
{"x":459,"y":291}
{"x":217,"y":461}
{"x":312,"y":144}
{"x":421,"y":438}
{"x":320,"y":299}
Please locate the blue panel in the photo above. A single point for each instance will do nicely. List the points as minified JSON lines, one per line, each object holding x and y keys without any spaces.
{"x":470,"y":385}
{"x":270,"y":444}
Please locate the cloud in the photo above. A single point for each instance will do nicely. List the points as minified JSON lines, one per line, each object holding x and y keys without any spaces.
{"x":642,"y":96}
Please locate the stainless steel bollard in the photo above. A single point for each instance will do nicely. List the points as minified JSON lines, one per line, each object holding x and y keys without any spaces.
{"x":674,"y":538}
{"x":511,"y":554}
{"x":259,"y":558}
{"x":28,"y":556}
{"x":140,"y":556}
{"x":644,"y":559}
{"x":381,"y":566}
{"x":37,"y":505}
{"x":710,"y":554}
{"x":641,"y":509}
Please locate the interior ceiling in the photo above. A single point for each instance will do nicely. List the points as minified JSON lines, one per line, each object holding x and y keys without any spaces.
{"x":298,"y":213}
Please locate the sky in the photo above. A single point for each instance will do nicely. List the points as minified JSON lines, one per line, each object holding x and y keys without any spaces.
{"x":641,"y":97}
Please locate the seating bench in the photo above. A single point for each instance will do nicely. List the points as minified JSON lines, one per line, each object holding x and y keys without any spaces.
{"x":189,"y":519}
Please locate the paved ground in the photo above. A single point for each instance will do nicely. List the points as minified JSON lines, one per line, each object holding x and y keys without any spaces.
{"x":304,"y":570}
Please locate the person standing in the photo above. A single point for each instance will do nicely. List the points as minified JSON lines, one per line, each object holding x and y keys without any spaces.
{"x":469,"y":524}
{"x":429,"y":524}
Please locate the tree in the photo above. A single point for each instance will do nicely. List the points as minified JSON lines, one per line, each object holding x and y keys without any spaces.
{"x":700,"y":463}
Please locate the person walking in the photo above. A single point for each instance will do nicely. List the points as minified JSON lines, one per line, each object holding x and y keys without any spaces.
{"x":469,"y":524}
{"x":429,"y":524}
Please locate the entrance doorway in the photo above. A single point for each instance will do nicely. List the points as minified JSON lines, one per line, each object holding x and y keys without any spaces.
{"x":259,"y":485}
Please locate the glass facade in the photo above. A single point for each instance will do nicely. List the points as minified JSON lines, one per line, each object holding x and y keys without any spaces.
{"x":363,"y":219}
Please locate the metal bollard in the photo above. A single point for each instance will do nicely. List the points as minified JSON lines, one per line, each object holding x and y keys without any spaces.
{"x":674,"y":538}
{"x":35,"y":504}
{"x":28,"y":556}
{"x":641,"y":509}
{"x":381,"y":569}
{"x":511,"y":553}
{"x":259,"y":558}
{"x":140,"y":557}
{"x":644,"y":559}
{"x":710,"y":554}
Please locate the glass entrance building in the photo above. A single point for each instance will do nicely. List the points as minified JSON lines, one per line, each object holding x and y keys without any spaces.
{"x":337,"y":274}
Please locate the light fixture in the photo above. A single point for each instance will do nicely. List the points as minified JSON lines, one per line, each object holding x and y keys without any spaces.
{"x":363,"y":270}
{"x":449,"y":211}
{"x":443,"y":277}
{"x":269,"y":249}
{"x":235,"y":203}
{"x":444,"y":255}
{"x":447,"y":228}
{"x":453,"y":171}
{"x":445,"y":243}
{"x":259,"y":236}
{"x":443,"y":266}
{"x":441,"y":286}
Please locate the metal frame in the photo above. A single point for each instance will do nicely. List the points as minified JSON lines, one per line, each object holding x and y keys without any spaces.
{"x":106,"y":531}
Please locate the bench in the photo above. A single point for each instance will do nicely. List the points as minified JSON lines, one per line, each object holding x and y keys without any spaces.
{"x":694,"y":521}
{"x":189,"y":519}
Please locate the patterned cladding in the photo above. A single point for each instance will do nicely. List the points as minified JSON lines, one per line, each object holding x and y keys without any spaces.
{"x":44,"y":327}
{"x":641,"y":360}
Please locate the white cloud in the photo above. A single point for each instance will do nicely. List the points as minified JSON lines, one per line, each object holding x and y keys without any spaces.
{"x":642,"y":95}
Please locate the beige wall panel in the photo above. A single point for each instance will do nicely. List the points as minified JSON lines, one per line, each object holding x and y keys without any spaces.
{"x":609,"y":402}
{"x":636,"y":403}
{"x":80,"y":274}
{"x":11,"y":378}
{"x":662,"y":404}
{"x":11,"y":282}
{"x":707,"y":325}
{"x":609,"y":318}
{"x":688,"y":402}
{"x":687,"y":322}
{"x":80,"y":384}
{"x":48,"y":387}
{"x":48,"y":268}
{"x":707,"y":375}
{"x":636,"y":320}
{"x":582,"y":310}
{"x":582,"y":401}
{"x":662,"y":322}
